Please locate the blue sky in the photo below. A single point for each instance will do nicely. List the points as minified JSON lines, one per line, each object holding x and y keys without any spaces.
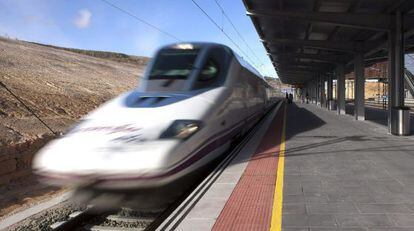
{"x":92,"y":24}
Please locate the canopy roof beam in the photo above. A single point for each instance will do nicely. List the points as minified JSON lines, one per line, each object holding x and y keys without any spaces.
{"x":296,"y":72}
{"x":303,"y":64}
{"x":329,"y":58}
{"x":342,"y":46}
{"x":379,"y":22}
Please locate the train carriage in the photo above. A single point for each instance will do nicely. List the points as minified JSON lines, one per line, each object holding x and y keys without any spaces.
{"x":193,"y":100}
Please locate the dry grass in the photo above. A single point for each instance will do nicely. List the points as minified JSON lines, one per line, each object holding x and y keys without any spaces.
{"x":59,"y":84}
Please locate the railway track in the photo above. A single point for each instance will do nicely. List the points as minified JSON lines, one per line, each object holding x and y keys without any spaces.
{"x":90,"y":219}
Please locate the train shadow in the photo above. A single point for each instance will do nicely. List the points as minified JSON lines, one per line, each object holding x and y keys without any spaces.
{"x":308,"y":121}
{"x":299,"y":121}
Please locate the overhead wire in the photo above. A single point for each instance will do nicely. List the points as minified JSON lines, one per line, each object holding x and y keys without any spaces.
{"x":27,"y":107}
{"x":141,"y":20}
{"x":222,"y":30}
{"x":237,"y":31}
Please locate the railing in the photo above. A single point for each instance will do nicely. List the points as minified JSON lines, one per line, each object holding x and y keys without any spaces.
{"x":379,"y":104}
{"x":409,"y":81}
{"x":409,"y":70}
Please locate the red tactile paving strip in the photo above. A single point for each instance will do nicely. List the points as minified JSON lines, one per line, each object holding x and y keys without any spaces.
{"x":250,"y":205}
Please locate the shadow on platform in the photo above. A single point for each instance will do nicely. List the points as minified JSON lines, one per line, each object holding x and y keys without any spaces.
{"x":300,"y":120}
{"x":308,"y":121}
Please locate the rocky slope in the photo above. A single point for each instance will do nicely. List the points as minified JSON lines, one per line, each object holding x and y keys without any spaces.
{"x":58,"y":84}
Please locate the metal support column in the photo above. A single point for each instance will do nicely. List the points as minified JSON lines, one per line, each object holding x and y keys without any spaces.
{"x":317,"y":90}
{"x":340,"y":88}
{"x":330,"y":102}
{"x":313,"y":94}
{"x":322,"y":91}
{"x":399,"y":116}
{"x":359,"y":86}
{"x":311,"y":90}
{"x":399,"y":63}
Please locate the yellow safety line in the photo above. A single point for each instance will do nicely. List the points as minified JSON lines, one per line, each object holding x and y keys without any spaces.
{"x":276,"y":222}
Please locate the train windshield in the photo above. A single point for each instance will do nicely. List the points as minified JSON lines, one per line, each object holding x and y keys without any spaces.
{"x":174,"y":64}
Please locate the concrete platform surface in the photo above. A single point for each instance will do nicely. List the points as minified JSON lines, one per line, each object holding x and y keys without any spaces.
{"x":342,"y":174}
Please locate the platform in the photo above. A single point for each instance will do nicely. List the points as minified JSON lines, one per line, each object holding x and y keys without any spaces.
{"x":336,"y":174}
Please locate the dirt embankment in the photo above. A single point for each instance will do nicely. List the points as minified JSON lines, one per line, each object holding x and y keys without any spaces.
{"x":60,"y":85}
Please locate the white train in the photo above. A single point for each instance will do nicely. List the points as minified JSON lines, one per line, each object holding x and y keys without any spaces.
{"x":193,"y":100}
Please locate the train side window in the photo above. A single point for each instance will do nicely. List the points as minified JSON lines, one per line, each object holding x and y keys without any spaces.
{"x":214,"y":69}
{"x":209,"y":72}
{"x":209,"y":75}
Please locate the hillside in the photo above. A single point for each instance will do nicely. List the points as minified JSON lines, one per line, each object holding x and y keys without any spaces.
{"x":119,"y":57}
{"x":59,"y":84}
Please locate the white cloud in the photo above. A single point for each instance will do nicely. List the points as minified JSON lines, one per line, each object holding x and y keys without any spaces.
{"x":83,"y":19}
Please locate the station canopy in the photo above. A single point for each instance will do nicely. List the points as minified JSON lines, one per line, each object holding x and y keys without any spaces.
{"x":308,"y":37}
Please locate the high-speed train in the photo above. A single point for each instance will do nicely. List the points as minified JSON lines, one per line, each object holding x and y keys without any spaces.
{"x":193,"y":100}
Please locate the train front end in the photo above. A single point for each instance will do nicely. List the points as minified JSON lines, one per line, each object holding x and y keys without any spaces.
{"x":145,"y":138}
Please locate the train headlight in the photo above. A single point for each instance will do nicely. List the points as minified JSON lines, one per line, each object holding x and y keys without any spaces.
{"x":181,"y":129}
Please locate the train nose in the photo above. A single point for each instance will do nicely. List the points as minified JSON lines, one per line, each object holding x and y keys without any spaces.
{"x":69,"y":158}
